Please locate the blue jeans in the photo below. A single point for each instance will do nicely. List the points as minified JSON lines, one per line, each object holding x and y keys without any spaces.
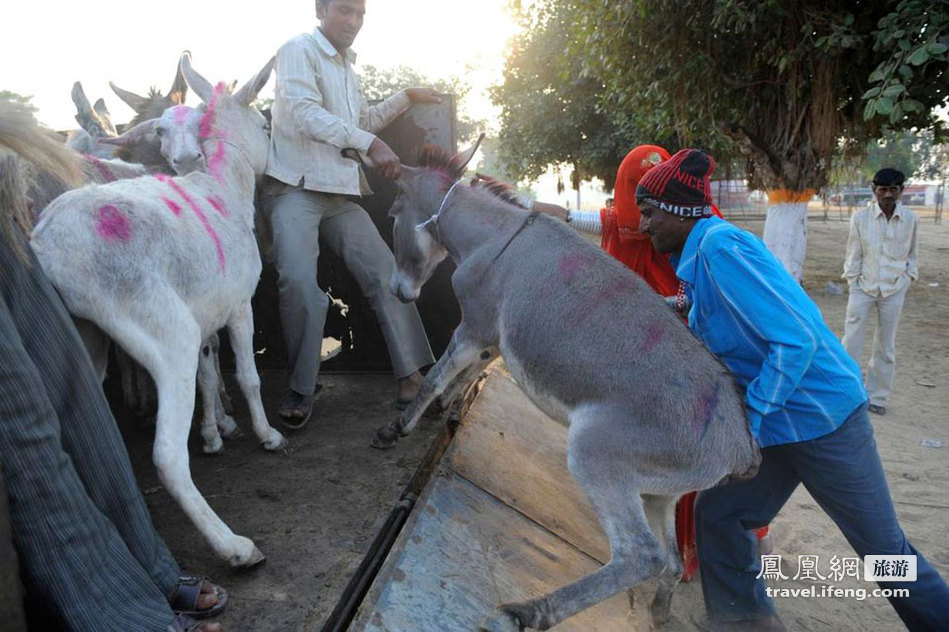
{"x":842,"y":471}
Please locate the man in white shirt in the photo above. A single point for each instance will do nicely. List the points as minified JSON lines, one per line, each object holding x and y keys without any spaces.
{"x":319,"y":109}
{"x":880,"y":264}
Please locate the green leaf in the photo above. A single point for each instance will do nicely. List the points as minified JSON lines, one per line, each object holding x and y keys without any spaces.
{"x":872,"y":92}
{"x":870,"y":110}
{"x":894,"y":89}
{"x":884,"y":106}
{"x":876,"y":75}
{"x":905,"y":72}
{"x":897,"y":114}
{"x":912,"y":105}
{"x":919,"y":57}
{"x":935,"y":48}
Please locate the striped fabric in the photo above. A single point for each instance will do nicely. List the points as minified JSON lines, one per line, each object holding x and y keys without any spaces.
{"x":800,"y":382}
{"x":881,"y":254}
{"x":319,"y":109}
{"x":87,"y":546}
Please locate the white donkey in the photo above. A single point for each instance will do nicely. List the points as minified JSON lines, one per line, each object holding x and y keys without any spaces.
{"x":160,"y":263}
{"x":168,"y":143}
{"x":651,"y":413}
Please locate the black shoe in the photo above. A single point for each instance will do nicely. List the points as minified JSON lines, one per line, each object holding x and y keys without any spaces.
{"x":877,"y":410}
{"x":295,"y":409}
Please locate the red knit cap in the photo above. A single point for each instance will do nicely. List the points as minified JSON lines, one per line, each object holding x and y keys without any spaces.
{"x":680,"y":185}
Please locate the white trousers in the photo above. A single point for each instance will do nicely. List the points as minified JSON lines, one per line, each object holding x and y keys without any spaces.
{"x":861,"y":308}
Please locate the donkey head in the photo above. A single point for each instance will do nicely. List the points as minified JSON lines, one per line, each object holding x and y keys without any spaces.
{"x":423,"y":195}
{"x":172,"y":140}
{"x":155,"y":103}
{"x":230,"y":117}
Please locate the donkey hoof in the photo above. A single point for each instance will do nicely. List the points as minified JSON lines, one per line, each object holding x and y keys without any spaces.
{"x":228,"y":428}
{"x":500,"y":621}
{"x":276,"y":442}
{"x":244,"y":561}
{"x":214,"y":447}
{"x":660,"y":610}
{"x":385,"y":438}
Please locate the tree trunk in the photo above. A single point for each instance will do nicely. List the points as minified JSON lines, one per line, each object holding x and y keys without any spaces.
{"x":785,"y":228}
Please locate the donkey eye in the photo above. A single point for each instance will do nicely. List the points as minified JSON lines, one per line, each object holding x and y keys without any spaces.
{"x":159,"y":131}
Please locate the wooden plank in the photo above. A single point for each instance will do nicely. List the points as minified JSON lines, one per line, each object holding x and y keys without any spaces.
{"x":513,"y":451}
{"x":462,"y":553}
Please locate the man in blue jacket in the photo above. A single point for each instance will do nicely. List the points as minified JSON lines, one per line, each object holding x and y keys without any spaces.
{"x":805,"y":398}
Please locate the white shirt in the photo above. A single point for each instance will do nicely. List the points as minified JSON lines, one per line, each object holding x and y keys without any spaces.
{"x":319,"y":109}
{"x":881,"y":254}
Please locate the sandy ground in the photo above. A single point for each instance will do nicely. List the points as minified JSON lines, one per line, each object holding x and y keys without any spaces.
{"x":315,"y":509}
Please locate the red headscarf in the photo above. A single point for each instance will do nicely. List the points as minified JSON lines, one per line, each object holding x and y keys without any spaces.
{"x":621,"y":237}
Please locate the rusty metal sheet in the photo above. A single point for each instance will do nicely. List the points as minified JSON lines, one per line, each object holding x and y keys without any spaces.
{"x":461,"y":553}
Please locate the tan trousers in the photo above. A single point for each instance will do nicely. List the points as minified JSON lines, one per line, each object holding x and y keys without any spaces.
{"x":861,"y":308}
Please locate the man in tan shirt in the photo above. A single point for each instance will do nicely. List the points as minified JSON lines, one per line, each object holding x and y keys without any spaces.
{"x":319,"y":109}
{"x":879,"y":267}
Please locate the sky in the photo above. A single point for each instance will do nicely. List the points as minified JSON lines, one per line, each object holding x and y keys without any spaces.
{"x":47,"y":46}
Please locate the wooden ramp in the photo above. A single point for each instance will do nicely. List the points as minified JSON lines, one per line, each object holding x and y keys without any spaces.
{"x":501,"y":520}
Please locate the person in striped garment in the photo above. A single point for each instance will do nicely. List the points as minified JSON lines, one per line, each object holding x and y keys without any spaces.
{"x":89,"y":554}
{"x":806,"y":405}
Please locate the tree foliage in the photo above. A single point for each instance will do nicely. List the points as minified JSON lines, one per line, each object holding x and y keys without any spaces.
{"x":553,"y":111}
{"x":776,"y":83}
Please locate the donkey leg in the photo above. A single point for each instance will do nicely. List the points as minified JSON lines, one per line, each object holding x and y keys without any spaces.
{"x":207,"y":382}
{"x":241,"y":330}
{"x":461,"y":353}
{"x":172,"y":356}
{"x":222,"y":403}
{"x":225,"y":400}
{"x":600,"y":465}
{"x":465,"y":377}
{"x":660,"y":512}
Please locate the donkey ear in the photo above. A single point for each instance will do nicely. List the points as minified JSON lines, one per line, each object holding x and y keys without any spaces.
{"x":248,"y":92}
{"x":201,"y":86}
{"x":465,"y":157}
{"x":86,"y":117}
{"x":144,"y":132}
{"x":104,"y":117}
{"x":131,"y":99}
{"x":179,"y":88}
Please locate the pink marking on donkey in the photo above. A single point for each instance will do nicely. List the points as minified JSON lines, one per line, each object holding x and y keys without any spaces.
{"x":180,"y":113}
{"x":101,"y":167}
{"x":113,"y":224}
{"x":653,"y":338}
{"x":206,"y":126}
{"x":570,"y":267}
{"x":173,"y":206}
{"x":197,"y":212}
{"x":217,"y":204}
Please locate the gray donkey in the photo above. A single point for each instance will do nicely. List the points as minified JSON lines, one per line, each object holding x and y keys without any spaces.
{"x":651,"y":413}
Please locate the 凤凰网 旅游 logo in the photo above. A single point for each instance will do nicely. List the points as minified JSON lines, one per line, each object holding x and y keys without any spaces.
{"x":889,"y":568}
